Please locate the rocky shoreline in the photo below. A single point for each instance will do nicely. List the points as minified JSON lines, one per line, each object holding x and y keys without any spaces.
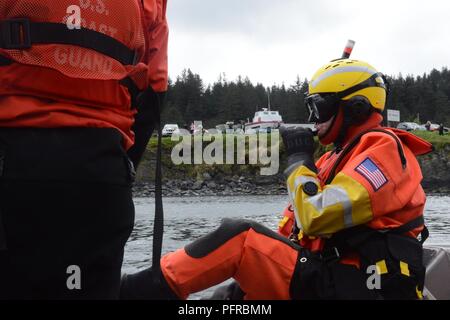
{"x":197,"y":181}
{"x":238,"y":187}
{"x":235,"y":186}
{"x":436,"y":171}
{"x":182,"y":189}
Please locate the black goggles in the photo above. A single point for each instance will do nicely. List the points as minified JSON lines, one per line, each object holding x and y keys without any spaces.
{"x":323,"y":106}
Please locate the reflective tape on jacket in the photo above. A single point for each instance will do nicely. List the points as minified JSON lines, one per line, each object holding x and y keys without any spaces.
{"x":341,"y":205}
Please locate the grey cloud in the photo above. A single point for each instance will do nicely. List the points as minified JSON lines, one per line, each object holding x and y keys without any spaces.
{"x":273,"y":41}
{"x":259,"y":20}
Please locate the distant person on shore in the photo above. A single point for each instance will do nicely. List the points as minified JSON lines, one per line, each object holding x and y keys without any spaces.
{"x":357,"y":210}
{"x":441,"y":129}
{"x":428,"y":126}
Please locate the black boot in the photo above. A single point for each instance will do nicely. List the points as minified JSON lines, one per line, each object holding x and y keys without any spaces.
{"x":141,"y":286}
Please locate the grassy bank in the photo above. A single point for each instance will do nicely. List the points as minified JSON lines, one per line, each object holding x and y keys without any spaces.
{"x":196,"y":172}
{"x":439,"y":142}
{"x":181,"y":171}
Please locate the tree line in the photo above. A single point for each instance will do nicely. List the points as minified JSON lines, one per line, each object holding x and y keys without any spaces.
{"x":419,"y":98}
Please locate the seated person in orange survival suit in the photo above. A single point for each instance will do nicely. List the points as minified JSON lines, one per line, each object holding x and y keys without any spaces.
{"x":358,"y":206}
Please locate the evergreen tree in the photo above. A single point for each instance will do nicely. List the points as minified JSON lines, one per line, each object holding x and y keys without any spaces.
{"x":426,"y":96}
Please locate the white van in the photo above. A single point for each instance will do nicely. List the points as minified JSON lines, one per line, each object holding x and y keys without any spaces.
{"x":170,"y":129}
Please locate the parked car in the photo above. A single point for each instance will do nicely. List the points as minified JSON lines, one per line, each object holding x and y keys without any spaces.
{"x":409,"y":126}
{"x":421,"y":128}
{"x":434,"y":127}
{"x":170,"y":129}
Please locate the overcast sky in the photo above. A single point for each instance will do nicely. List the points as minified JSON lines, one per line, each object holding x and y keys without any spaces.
{"x":273,"y":41}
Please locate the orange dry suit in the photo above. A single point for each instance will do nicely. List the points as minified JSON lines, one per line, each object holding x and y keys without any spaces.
{"x":80,"y":63}
{"x":373,"y":183}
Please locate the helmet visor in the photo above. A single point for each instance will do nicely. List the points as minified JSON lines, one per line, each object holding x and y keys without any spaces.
{"x":321,"y":107}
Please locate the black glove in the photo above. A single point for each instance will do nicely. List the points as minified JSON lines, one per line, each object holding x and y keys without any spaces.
{"x":299,"y":144}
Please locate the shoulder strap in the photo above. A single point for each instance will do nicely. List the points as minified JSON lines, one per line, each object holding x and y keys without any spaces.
{"x":21,"y":34}
{"x":350,"y":146}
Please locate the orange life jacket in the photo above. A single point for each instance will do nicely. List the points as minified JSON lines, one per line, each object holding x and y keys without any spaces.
{"x":61,"y":77}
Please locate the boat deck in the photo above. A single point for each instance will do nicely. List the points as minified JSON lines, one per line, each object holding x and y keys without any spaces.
{"x":437,"y":280}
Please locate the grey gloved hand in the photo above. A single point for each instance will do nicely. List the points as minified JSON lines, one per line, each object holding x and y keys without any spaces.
{"x":228,"y":292}
{"x":299,"y":144}
{"x":142,"y":286}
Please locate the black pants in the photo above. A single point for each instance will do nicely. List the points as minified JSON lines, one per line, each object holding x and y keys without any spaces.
{"x":65,"y":200}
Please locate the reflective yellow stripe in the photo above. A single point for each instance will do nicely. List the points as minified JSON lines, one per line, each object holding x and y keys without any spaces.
{"x":302,"y":174}
{"x":381,"y":267}
{"x":359,"y":198}
{"x":300,"y":235}
{"x":346,"y":69}
{"x":283,"y":222}
{"x":331,"y":196}
{"x":419,"y":293}
{"x":294,"y":207}
{"x":342,"y":204}
{"x":404,"y":269}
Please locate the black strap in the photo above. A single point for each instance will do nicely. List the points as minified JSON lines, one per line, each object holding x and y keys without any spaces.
{"x":399,"y":145}
{"x":348,"y":240}
{"x":424,"y":235}
{"x":350,"y":146}
{"x":158,"y":226}
{"x":5,"y":61}
{"x":21,"y":34}
{"x":132,"y":89}
{"x":411,"y":225}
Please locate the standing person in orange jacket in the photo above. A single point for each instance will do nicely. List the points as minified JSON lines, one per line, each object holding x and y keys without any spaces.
{"x":81,"y":86}
{"x":358,"y":211}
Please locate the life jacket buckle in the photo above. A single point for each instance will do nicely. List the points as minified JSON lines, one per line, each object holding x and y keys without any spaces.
{"x":15,"y":34}
{"x":331,"y":254}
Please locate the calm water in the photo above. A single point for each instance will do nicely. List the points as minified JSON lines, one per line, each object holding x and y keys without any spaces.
{"x":186,"y":219}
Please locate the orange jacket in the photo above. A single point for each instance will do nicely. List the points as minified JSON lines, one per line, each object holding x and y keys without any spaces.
{"x":53,"y":85}
{"x":370,"y":186}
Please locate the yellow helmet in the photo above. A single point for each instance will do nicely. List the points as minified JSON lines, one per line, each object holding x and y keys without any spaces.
{"x":356,"y":83}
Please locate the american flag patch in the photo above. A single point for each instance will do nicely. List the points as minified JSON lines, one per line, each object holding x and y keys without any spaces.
{"x":369,"y":170}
